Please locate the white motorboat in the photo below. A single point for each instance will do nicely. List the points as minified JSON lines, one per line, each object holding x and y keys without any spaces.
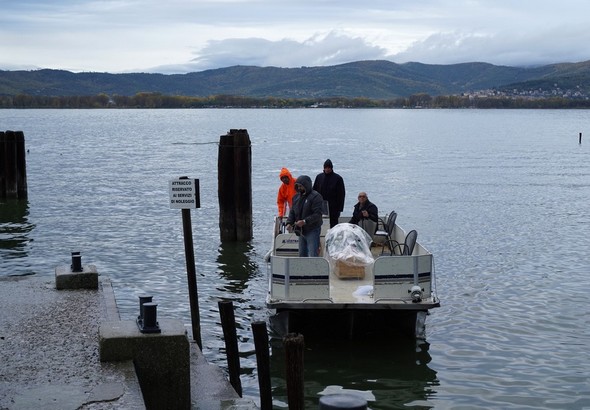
{"x":390,"y":288}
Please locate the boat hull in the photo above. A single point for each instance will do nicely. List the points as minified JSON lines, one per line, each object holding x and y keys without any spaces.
{"x":349,"y":323}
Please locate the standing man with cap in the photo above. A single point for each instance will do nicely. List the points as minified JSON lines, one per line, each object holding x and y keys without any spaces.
{"x":331,"y":186}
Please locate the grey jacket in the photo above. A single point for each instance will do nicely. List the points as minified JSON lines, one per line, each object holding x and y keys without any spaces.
{"x":306,"y":206}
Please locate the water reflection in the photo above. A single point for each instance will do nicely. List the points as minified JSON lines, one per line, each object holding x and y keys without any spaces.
{"x":388,"y":373}
{"x":235,"y":264}
{"x":14,"y":235}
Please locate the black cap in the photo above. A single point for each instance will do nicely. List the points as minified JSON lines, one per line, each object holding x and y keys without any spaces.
{"x":328,"y":164}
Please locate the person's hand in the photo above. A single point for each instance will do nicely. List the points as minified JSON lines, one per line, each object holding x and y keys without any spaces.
{"x":365,"y":213}
{"x":300,"y":223}
{"x":289,"y":228}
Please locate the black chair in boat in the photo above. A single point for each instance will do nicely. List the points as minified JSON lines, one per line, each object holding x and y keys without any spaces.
{"x":382,"y":237}
{"x":405,"y":248}
{"x":369,"y":226}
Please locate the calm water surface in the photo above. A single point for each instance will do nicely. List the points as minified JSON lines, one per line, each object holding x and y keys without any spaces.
{"x":500,"y":198}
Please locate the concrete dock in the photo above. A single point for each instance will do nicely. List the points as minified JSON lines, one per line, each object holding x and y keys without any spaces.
{"x":50,"y":359}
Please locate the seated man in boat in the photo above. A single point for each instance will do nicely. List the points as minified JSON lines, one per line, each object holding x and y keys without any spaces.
{"x":364,"y":209}
{"x":305,"y":217}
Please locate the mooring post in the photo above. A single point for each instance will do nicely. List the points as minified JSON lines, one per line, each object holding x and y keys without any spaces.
{"x":262,"y":364}
{"x":235,"y":186}
{"x":228,"y":324}
{"x":294,"y":346}
{"x":580,"y":138}
{"x":191,"y":273}
{"x":13,"y":168}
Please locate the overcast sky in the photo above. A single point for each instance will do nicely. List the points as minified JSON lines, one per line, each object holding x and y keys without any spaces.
{"x":179,"y":36}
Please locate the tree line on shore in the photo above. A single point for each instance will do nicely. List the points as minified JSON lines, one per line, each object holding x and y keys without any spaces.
{"x":157,"y":100}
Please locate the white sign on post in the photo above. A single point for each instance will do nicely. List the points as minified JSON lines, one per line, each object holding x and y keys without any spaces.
{"x":184,"y":193}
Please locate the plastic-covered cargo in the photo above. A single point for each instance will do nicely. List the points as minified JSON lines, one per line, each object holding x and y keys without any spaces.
{"x":348,"y":244}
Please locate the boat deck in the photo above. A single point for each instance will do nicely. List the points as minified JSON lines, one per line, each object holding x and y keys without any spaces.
{"x":352,"y":290}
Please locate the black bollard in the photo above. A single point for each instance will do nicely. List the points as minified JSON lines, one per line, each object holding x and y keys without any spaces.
{"x":342,"y":402}
{"x":76,"y":262}
{"x":143,"y":300}
{"x":150,"y":318}
{"x":580,"y":138}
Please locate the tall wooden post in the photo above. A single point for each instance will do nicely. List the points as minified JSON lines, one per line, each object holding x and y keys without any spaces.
{"x":263,"y":364}
{"x":228,"y":324}
{"x":13,"y":168}
{"x":294,"y":346}
{"x":235,"y":186}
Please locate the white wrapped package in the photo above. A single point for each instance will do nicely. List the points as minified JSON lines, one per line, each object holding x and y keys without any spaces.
{"x":350,"y":244}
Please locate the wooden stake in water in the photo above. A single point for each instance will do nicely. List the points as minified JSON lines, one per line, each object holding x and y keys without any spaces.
{"x":235,"y":186}
{"x":13,"y":168}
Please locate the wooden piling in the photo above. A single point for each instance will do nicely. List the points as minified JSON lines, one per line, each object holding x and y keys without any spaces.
{"x":13,"y":169}
{"x":294,"y":346}
{"x":228,"y":324}
{"x":235,"y":186}
{"x":262,"y":364}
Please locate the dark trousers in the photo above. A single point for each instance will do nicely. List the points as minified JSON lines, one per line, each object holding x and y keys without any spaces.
{"x":334,"y":218}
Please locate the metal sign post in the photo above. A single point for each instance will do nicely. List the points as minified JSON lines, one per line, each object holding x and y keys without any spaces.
{"x":184,"y":195}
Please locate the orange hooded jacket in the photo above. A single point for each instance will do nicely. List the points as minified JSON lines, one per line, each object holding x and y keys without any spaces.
{"x":286,"y":192}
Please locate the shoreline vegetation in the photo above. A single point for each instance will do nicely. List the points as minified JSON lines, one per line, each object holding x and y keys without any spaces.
{"x":157,"y":100}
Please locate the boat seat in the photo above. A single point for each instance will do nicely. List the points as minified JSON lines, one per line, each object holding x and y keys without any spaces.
{"x":383,"y":237}
{"x":286,"y":244}
{"x":405,"y":248}
{"x":369,"y":226}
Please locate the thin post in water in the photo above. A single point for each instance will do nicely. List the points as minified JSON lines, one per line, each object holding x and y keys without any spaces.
{"x":262,"y":364}
{"x":228,"y":324}
{"x":294,"y":345}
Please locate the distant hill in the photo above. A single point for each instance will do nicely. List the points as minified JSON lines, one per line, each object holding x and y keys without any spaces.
{"x":369,"y":79}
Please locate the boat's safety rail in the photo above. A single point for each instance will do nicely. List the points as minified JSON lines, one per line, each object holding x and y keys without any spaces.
{"x":395,"y":276}
{"x":300,"y":279}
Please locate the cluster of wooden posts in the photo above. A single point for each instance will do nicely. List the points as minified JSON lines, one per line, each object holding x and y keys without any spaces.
{"x":294,"y":347}
{"x":13,"y":169}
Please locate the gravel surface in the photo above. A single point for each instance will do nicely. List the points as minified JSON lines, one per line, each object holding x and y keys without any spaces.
{"x":49,"y":355}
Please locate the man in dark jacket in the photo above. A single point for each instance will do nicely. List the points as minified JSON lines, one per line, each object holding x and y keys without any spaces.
{"x":364,"y":209}
{"x":305,"y":217}
{"x":330,"y":185}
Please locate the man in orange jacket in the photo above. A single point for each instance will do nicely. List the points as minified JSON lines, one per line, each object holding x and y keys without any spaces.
{"x":286,"y":192}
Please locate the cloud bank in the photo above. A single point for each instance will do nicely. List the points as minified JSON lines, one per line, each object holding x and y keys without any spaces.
{"x":179,"y":36}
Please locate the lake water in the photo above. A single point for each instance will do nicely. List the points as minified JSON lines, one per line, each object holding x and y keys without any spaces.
{"x":499,"y":197}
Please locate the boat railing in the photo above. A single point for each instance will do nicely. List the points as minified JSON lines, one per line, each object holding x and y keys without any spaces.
{"x":300,"y":279}
{"x":395,"y":276}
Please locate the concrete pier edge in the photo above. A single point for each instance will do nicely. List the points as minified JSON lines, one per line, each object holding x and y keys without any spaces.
{"x":49,"y":352}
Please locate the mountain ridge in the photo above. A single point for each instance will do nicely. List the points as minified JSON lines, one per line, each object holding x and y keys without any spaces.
{"x":374,"y":79}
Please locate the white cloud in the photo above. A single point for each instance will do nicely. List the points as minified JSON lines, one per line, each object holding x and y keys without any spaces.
{"x":319,"y":50}
{"x":504,"y":48}
{"x":189,"y":35}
